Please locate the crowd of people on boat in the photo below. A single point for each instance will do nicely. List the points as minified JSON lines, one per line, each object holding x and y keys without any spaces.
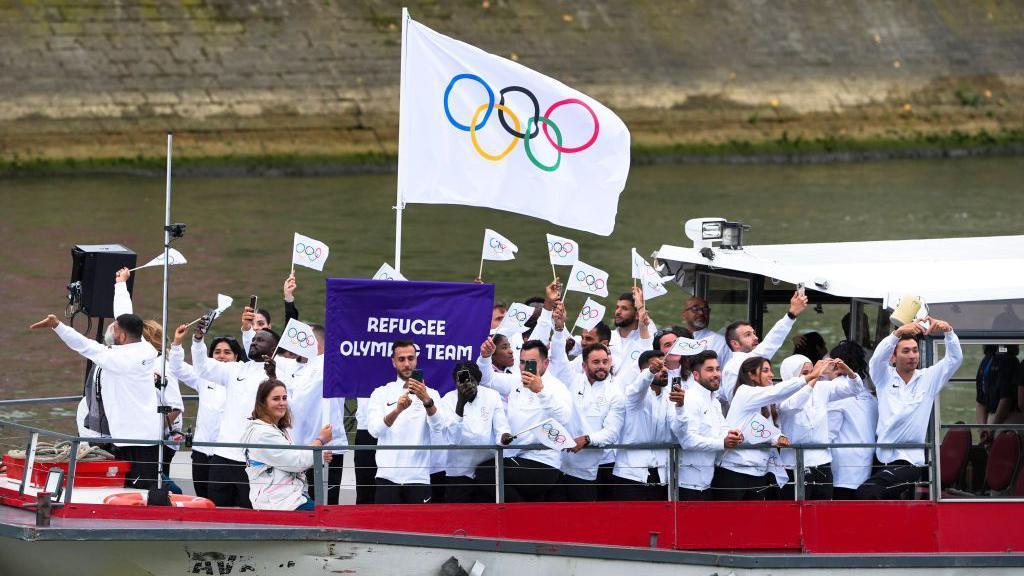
{"x":717,"y":398}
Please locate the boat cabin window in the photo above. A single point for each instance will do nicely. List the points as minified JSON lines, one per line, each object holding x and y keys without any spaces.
{"x":728,"y":297}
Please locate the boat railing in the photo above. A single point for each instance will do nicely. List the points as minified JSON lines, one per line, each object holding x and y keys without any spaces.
{"x":672,"y":451}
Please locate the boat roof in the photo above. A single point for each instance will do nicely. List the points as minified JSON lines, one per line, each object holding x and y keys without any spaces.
{"x":939,"y":270}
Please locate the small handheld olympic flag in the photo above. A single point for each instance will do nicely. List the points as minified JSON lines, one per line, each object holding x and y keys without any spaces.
{"x":585,"y":278}
{"x":552,"y":434}
{"x":650,"y":280}
{"x":760,"y":430}
{"x":386,"y":272}
{"x":590,"y":315}
{"x":497,"y":247}
{"x":515,"y":319}
{"x":687,"y":347}
{"x":309,"y":252}
{"x":173,"y":258}
{"x":562,"y":250}
{"x":299,"y":338}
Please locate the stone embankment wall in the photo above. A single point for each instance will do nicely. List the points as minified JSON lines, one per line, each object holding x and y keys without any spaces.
{"x":103,"y":79}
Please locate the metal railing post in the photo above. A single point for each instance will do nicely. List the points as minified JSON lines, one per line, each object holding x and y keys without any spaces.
{"x":318,"y":476}
{"x":160,"y":463}
{"x":799,"y":475}
{"x":499,"y":475}
{"x":70,"y":478}
{"x":30,"y":461}
{"x":673,"y":473}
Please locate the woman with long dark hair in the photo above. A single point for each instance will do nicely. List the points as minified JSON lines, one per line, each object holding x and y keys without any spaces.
{"x":277,"y":479}
{"x":746,"y":474}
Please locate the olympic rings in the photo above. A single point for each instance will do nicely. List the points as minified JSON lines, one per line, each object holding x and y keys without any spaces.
{"x":553,"y":433}
{"x":311,"y":252}
{"x":760,"y":430}
{"x":501,"y":114}
{"x":521,"y":316}
{"x":498,"y":246}
{"x":300,"y":338}
{"x":562,"y":249}
{"x":590,"y":280}
{"x":384,"y":276}
{"x":589,"y":312}
{"x":588,"y":143}
{"x":490,"y":101}
{"x":511,"y":145}
{"x":483,"y":113}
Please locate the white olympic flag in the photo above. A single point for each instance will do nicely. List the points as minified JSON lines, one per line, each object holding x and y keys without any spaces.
{"x":481,"y":130}
{"x":309,"y":252}
{"x":387,"y":272}
{"x":298,"y":338}
{"x":590,"y":315}
{"x":587,"y":279}
{"x":563,"y":250}
{"x":515,"y":319}
{"x":497,"y":247}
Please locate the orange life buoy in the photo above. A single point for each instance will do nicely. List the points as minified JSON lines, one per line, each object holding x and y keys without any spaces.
{"x":139,"y":499}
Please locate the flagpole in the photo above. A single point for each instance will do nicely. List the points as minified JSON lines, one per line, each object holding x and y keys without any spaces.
{"x":399,"y":203}
{"x":480,"y":274}
{"x":554,"y":275}
{"x":163,"y":320}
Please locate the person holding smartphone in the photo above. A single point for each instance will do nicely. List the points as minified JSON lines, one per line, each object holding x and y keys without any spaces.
{"x":404,"y":412}
{"x":533,"y":397}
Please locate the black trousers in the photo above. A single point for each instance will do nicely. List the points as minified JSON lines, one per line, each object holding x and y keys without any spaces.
{"x":573,"y":489}
{"x":817,"y":483}
{"x":388,"y":492}
{"x":229,"y":485}
{"x":625,"y":490}
{"x":200,"y":473}
{"x":461,"y":490}
{"x":438,"y":486}
{"x":528,"y":480}
{"x":893,"y":481}
{"x":606,"y":482}
{"x":334,"y":469}
{"x":143,"y":465}
{"x":843,"y":493}
{"x":730,"y":485}
{"x":366,"y":468}
{"x":691,"y":495}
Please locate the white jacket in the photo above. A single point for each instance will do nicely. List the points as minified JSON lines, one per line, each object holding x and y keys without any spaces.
{"x":277,"y":478}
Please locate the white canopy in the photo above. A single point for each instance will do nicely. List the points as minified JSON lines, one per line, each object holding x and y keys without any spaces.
{"x":939,"y":270}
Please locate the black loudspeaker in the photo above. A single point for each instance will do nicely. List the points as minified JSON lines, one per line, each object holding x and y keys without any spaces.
{"x":93,"y":266}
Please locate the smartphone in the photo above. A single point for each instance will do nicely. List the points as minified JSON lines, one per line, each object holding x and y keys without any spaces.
{"x":417,"y":375}
{"x":530,"y":366}
{"x":252,"y":302}
{"x":463,"y":376}
{"x":677,"y":383}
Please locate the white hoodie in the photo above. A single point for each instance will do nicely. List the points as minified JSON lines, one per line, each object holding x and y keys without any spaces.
{"x":277,"y":478}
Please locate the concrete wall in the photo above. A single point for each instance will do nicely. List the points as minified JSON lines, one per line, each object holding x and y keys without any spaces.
{"x":104,"y":78}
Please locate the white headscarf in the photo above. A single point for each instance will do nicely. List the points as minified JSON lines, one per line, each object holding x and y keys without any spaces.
{"x":791,"y":366}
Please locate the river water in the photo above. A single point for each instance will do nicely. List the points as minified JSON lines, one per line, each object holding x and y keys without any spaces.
{"x":240,"y":230}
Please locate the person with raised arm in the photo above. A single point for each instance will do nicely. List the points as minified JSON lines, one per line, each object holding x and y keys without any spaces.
{"x":744,"y":343}
{"x":598,"y":410}
{"x":229,"y":484}
{"x":533,"y":396}
{"x":747,"y":474}
{"x":906,"y":394}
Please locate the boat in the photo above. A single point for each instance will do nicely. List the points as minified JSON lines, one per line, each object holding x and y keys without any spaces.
{"x":942,"y":532}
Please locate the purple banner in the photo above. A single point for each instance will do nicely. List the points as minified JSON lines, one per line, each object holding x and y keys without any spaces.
{"x":447,"y":322}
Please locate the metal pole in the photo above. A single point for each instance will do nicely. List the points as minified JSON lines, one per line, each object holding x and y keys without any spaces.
{"x":935,"y":486}
{"x":499,"y":476}
{"x":399,"y":202}
{"x":163,"y":321}
{"x":30,"y":461}
{"x":318,"y":476}
{"x":70,"y":478}
{"x":799,"y":475}
{"x":673,"y":474}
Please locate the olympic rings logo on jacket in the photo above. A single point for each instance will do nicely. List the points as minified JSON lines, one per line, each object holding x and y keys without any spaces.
{"x":534,"y":125}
